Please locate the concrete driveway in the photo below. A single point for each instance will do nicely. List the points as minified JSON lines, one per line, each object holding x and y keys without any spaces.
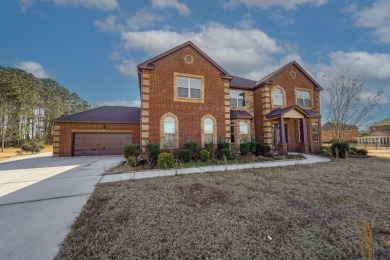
{"x":40,"y":197}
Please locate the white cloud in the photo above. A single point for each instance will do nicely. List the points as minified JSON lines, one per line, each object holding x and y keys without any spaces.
{"x":246,"y":23}
{"x":25,"y":4}
{"x":127,"y":67}
{"x":141,"y":19}
{"x":249,"y":52}
{"x":265,"y":4}
{"x":34,"y":68}
{"x":373,"y":68}
{"x":125,"y":103}
{"x":109,"y":24}
{"x":181,"y":8}
{"x":106,"y":5}
{"x":376,"y":17}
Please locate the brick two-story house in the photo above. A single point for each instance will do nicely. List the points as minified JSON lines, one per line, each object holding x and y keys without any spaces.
{"x":186,"y":96}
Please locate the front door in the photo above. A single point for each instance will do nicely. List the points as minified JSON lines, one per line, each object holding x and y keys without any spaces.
{"x":276,"y":135}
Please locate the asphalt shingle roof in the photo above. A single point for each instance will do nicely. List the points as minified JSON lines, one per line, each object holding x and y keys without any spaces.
{"x":242,"y":82}
{"x":106,"y":114}
{"x":383,"y":122}
{"x":238,"y":114}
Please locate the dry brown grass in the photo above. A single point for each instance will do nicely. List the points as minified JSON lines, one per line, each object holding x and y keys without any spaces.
{"x":10,"y":152}
{"x":300,"y":212}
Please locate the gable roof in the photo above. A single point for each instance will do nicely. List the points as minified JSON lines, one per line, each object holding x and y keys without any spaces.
{"x":104,"y":114}
{"x":240,"y":82}
{"x":149,"y":63}
{"x":268,"y":78}
{"x":383,"y":122}
{"x":328,"y":126}
{"x":279,"y":112}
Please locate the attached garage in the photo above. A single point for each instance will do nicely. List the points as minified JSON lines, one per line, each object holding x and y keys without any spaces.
{"x":85,"y":144}
{"x":99,"y":131}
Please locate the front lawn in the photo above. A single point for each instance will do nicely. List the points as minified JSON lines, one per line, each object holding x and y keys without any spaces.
{"x":299,"y":212}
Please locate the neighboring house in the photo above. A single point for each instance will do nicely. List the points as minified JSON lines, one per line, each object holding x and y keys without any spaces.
{"x":186,"y":96}
{"x":348,"y":132}
{"x":379,"y":134}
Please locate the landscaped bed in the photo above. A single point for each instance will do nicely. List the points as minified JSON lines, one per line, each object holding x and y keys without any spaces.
{"x":307,"y":212}
{"x":124,"y":167}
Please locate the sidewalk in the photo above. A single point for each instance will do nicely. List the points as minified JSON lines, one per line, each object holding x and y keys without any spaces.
{"x":136,"y":175}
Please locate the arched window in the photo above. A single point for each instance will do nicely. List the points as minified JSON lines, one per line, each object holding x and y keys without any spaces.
{"x":277,"y":97}
{"x":208,"y":130}
{"x":169,"y":130}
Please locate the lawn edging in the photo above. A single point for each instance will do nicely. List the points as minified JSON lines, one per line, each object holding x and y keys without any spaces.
{"x":136,"y":175}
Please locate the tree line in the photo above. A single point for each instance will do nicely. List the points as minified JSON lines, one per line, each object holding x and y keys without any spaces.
{"x":28,"y":104}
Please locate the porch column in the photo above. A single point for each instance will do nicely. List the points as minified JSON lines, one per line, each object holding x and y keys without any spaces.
{"x":304,"y":145}
{"x":282,"y":132}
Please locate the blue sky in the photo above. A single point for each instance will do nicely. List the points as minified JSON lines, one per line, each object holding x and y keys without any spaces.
{"x":92,"y":47}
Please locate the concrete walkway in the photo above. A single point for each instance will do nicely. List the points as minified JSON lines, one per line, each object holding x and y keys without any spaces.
{"x":136,"y":175}
{"x":40,"y":197}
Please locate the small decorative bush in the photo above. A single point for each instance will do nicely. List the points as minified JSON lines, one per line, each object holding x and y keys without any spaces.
{"x":223,"y":145}
{"x":340,"y":149}
{"x":204,"y":155}
{"x":132,"y":161}
{"x":32,"y":146}
{"x":211,"y":148}
{"x":185,"y":155}
{"x":165,"y":160}
{"x":247,"y":148}
{"x":361,"y":152}
{"x":153,"y":150}
{"x":190,"y":146}
{"x":131,"y":150}
{"x":262,"y":149}
{"x":225,"y":152}
{"x":325,"y":151}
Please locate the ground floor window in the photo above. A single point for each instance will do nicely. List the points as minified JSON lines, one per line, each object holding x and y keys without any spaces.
{"x":208,"y":128}
{"x":232,"y":139}
{"x":244,"y":130}
{"x":315,"y":132}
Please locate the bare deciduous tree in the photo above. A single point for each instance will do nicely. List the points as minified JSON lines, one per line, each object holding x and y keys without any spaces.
{"x":345,"y":103}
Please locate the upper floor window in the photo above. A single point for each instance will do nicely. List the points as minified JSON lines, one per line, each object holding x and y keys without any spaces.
{"x":208,"y":129}
{"x":237,"y":98}
{"x":188,"y":87}
{"x":303,"y":98}
{"x":169,"y":130}
{"x":277,"y":97}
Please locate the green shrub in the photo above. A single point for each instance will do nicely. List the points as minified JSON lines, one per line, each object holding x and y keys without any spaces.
{"x":185,"y":155}
{"x":131,"y":150}
{"x":223,"y":145}
{"x":132,"y":161}
{"x":211,"y":148}
{"x":165,"y":160}
{"x":353,"y":149}
{"x":190,"y":146}
{"x":32,"y":146}
{"x":340,"y":149}
{"x":153,"y":151}
{"x":361,"y":152}
{"x":325,"y":151}
{"x":247,"y":148}
{"x":225,"y":152}
{"x":262,"y":149}
{"x":204,"y":155}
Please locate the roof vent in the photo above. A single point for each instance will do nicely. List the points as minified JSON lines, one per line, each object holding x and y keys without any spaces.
{"x":188,"y":59}
{"x":293,"y":74}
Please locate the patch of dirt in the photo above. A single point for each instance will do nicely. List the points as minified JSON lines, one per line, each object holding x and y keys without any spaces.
{"x":201,"y":195}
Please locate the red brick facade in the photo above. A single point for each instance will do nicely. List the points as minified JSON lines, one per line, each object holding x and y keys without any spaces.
{"x":185,"y":96}
{"x":159,"y":99}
